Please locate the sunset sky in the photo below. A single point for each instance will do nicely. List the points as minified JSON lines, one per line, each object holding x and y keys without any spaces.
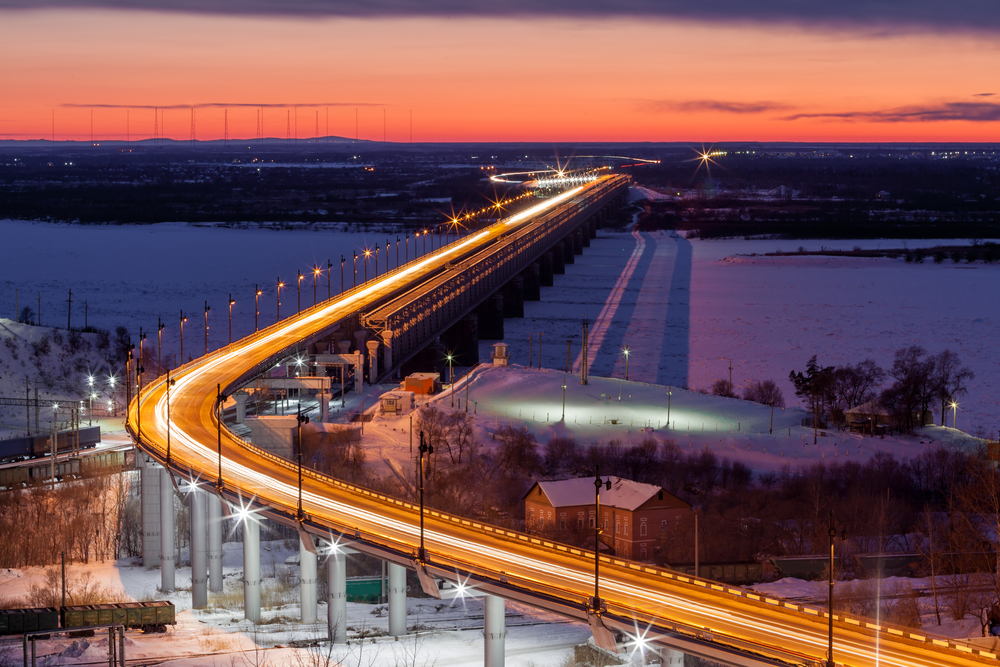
{"x":545,"y":71}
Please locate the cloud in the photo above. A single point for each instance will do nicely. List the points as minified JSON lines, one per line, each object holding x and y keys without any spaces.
{"x":977,"y":112}
{"x":219,"y":105}
{"x":984,"y":94}
{"x":891,"y":15}
{"x":720,"y":106}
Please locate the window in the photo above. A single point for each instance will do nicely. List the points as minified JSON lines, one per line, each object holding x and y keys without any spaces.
{"x":531,"y":515}
{"x":592,"y":522}
{"x":642,"y":553}
{"x":626,"y":527}
{"x":642,"y":529}
{"x":562,"y":522}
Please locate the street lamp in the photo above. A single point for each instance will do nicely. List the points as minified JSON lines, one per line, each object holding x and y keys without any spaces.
{"x":406,"y":253}
{"x":669,"y":394}
{"x":329,"y":278}
{"x":376,"y":259}
{"x":368,"y":253}
{"x":564,"y":399}
{"x":183,"y":320}
{"x":451,"y":377}
{"x":159,"y":344}
{"x":843,"y":536}
{"x":355,"y":268}
{"x":316,"y":272}
{"x":397,"y":252}
{"x":596,"y":606}
{"x":342,"y":260}
{"x":170,"y":382}
{"x":220,"y":398}
{"x":299,"y":304}
{"x":277,"y":296}
{"x":231,"y":302}
{"x":425,"y":242}
{"x":207,"y":308}
{"x":626,"y":352}
{"x":256,"y":306}
{"x":423,"y":449}
{"x":301,"y":419}
{"x":113,"y":381}
{"x":954,"y":411}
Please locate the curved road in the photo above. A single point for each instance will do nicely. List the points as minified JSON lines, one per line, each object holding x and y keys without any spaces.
{"x":701,"y":617}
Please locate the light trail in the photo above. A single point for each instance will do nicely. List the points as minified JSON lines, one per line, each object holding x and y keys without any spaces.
{"x":645,"y":593}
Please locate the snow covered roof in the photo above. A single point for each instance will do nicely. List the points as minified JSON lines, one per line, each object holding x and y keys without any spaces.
{"x":624,"y":493}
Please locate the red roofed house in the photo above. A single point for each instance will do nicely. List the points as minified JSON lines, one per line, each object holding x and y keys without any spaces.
{"x":632,"y":513}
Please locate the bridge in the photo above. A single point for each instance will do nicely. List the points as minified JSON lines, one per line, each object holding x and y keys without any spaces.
{"x":223,"y":474}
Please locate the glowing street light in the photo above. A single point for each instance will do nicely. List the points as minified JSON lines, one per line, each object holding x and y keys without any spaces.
{"x":596,"y":605}
{"x":669,"y":394}
{"x":231,"y":303}
{"x":277,"y":294}
{"x":423,"y":449}
{"x":183,"y":320}
{"x":355,"y":268}
{"x":256,"y":306}
{"x":159,"y":344}
{"x":329,"y":278}
{"x":170,"y":383}
{"x":299,"y":305}
{"x":316,"y":272}
{"x":626,"y":352}
{"x":564,"y":399}
{"x":207,"y":308}
{"x":451,"y":377}
{"x":954,"y":412}
{"x":368,"y":253}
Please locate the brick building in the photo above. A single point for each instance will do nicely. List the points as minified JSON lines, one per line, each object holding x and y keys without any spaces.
{"x":632,"y":513}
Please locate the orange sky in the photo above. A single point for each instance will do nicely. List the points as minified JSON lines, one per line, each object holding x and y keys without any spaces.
{"x":485,"y":79}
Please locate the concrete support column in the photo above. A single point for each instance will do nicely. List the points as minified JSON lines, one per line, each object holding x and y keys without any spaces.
{"x":214,"y":543}
{"x":373,"y":346}
{"x":545,"y":270}
{"x":462,"y":340}
{"x":251,"y":570}
{"x":567,"y":244}
{"x":387,"y":347}
{"x":323,"y":399}
{"x":489,"y":317}
{"x":558,"y":259}
{"x":513,"y":297}
{"x":494,"y":630}
{"x":198,"y":507}
{"x":532,"y":284}
{"x":577,"y":237}
{"x":592,"y":227}
{"x":241,"y":406}
{"x":149,"y":501}
{"x":396,"y":592}
{"x":167,"y":582}
{"x":671,"y":657}
{"x":585,"y":233}
{"x":307,"y":582}
{"x":336,"y":597}
{"x":343,"y":347}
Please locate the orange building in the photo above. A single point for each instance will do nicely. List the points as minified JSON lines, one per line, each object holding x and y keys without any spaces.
{"x":632,"y":513}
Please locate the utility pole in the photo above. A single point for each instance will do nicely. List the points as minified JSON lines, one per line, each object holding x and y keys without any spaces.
{"x":159,"y":345}
{"x":207,"y":308}
{"x":583,"y":364}
{"x":183,"y":320}
{"x":69,"y":310}
{"x":731,"y":376}
{"x":568,"y":349}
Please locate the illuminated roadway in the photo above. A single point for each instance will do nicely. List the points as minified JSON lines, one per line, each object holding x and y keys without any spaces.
{"x":712,"y":620}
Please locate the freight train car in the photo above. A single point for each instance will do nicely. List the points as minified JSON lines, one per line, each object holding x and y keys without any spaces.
{"x":145,"y":616}
{"x":30,"y":447}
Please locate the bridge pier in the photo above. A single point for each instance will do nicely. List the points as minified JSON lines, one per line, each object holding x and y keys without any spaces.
{"x":214,"y":543}
{"x":585,"y":233}
{"x":387,"y":347}
{"x":513,"y":297}
{"x":241,"y":406}
{"x":149,"y":502}
{"x":592,"y":227}
{"x":568,"y":245}
{"x":251,"y":569}
{"x":489,"y":316}
{"x":558,"y":259}
{"x":462,"y":339}
{"x":671,"y":657}
{"x":494,"y":630}
{"x":373,"y":346}
{"x":199,"y":560}
{"x":336,"y":596}
{"x":545,"y":270}
{"x":307,"y":581}
{"x":577,"y":237}
{"x":396,"y":591}
{"x":167,"y":580}
{"x":532,"y":282}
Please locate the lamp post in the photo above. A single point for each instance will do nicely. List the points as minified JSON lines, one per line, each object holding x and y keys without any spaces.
{"x":90,"y":384}
{"x":829,"y":650}
{"x":256,"y":306}
{"x":397,"y":252}
{"x":207,"y":308}
{"x":301,"y":419}
{"x":355,"y":268}
{"x":368,"y":253}
{"x":231,"y":303}
{"x":669,"y":394}
{"x":626,"y":352}
{"x":595,"y":604}
{"x":113,"y":381}
{"x":564,"y":399}
{"x":220,"y":398}
{"x":376,"y":260}
{"x":298,"y":307}
{"x":406,"y":248}
{"x":170,"y":382}
{"x":159,"y":344}
{"x":451,"y":377}
{"x":329,"y":278}
{"x":138,"y":397}
{"x":316,"y":272}
{"x":425,"y":242}
{"x":277,"y":297}
{"x":954,"y":412}
{"x":342,"y":260}
{"x":423,"y":449}
{"x":183,"y":320}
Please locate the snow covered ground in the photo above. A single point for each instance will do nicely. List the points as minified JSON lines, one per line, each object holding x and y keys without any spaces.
{"x":445,"y":632}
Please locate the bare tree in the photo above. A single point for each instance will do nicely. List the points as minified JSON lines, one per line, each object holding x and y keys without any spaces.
{"x":765,"y":392}
{"x":950,"y":378}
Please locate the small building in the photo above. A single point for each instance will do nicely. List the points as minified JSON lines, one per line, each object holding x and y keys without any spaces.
{"x":632,"y":513}
{"x":422,"y":383}
{"x":500,"y":355}
{"x":397,"y":402}
{"x":872,"y":418}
